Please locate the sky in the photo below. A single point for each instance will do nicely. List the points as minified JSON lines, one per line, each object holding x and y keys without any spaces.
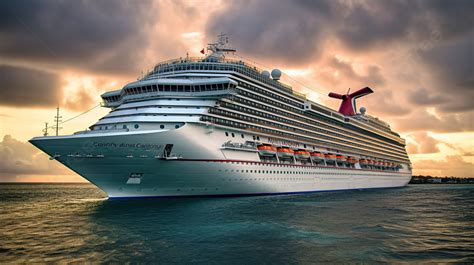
{"x":416,"y":55}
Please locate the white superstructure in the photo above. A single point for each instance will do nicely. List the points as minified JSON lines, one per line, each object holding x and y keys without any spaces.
{"x":215,"y":126}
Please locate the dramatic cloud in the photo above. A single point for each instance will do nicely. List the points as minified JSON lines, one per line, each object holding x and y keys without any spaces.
{"x":443,"y":123}
{"x":417,"y":55}
{"x":451,"y":64}
{"x":346,"y":69}
{"x":452,"y":166}
{"x":103,"y":35}
{"x":431,"y":41}
{"x":424,"y":144}
{"x":19,"y":159}
{"x":28,"y":88}
{"x":292,"y":31}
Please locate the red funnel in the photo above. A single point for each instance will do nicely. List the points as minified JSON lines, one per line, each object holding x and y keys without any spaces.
{"x":348,"y":104}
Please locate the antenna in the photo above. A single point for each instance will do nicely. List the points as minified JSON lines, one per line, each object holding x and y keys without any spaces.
{"x":45,"y":130}
{"x":57,"y":120}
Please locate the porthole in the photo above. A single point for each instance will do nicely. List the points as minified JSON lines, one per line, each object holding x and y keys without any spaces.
{"x":136,"y":126}
{"x":226,"y":134}
{"x":242,"y":135}
{"x":233,"y":135}
{"x":162,"y":126}
{"x":176,"y":126}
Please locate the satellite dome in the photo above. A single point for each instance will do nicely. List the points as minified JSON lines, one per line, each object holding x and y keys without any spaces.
{"x":266,"y":74}
{"x":276,"y":74}
{"x":363,"y":110}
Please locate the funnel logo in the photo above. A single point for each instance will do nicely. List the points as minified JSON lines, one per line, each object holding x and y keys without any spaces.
{"x":348,"y":104}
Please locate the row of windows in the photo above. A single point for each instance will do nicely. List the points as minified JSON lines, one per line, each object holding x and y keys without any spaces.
{"x":242,"y":136}
{"x":308,"y":127}
{"x":313,"y":121}
{"x":286,"y":166}
{"x":168,"y":88}
{"x":239,"y":67}
{"x":239,"y":125}
{"x":287,"y":128}
{"x":114,"y":127}
{"x":125,"y":126}
{"x":299,"y":111}
{"x":270,"y":94}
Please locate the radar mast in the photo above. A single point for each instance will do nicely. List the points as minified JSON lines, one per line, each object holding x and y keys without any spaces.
{"x":219,"y":49}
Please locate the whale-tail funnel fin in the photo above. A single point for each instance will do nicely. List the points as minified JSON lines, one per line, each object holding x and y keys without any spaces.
{"x":348,"y":104}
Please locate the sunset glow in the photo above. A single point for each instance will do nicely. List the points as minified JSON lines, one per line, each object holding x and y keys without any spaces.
{"x":416,"y":57}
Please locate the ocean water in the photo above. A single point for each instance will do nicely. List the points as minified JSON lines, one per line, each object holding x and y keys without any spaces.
{"x":76,"y":223}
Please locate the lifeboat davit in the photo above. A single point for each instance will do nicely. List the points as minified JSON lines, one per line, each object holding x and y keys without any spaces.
{"x":340,"y":158}
{"x":285,"y":152}
{"x":267,"y":150}
{"x":317,"y":156}
{"x":330,"y":157}
{"x":302,"y":154}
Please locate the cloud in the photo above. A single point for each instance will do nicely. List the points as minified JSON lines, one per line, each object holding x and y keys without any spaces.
{"x":290,"y":31}
{"x":424,"y":144}
{"x":428,"y":41}
{"x":452,"y":166}
{"x":103,"y":35}
{"x":421,"y":120}
{"x":25,"y":87}
{"x":451,"y":65}
{"x":373,"y":77}
{"x":19,"y":159}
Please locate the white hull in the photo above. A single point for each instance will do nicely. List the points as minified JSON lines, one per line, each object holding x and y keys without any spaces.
{"x":131,"y":165}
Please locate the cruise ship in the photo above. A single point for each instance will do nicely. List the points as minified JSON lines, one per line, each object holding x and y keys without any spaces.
{"x":219,"y":126}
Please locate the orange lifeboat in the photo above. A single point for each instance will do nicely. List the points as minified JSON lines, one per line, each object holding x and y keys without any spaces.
{"x":364,"y":162}
{"x":266,"y":149}
{"x":351,"y":160}
{"x":285,"y":152}
{"x":330,"y":157}
{"x":372,"y":163}
{"x":341,"y":158}
{"x":317,"y":156}
{"x":302,"y":154}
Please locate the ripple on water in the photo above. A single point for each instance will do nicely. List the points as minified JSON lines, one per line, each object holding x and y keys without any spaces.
{"x":76,"y":223}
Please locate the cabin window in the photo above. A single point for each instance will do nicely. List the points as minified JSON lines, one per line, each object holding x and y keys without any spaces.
{"x":233,"y":135}
{"x":136,"y":126}
{"x":176,"y":126}
{"x":227,"y":134}
{"x":162,"y":126}
{"x":124,"y":126}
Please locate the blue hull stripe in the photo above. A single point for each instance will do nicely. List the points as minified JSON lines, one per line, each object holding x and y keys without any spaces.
{"x":243,"y":194}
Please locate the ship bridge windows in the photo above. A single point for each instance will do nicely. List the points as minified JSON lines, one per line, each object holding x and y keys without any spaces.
{"x":173,"y":88}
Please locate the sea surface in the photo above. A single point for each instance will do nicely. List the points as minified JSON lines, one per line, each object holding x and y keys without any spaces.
{"x":76,"y":223}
